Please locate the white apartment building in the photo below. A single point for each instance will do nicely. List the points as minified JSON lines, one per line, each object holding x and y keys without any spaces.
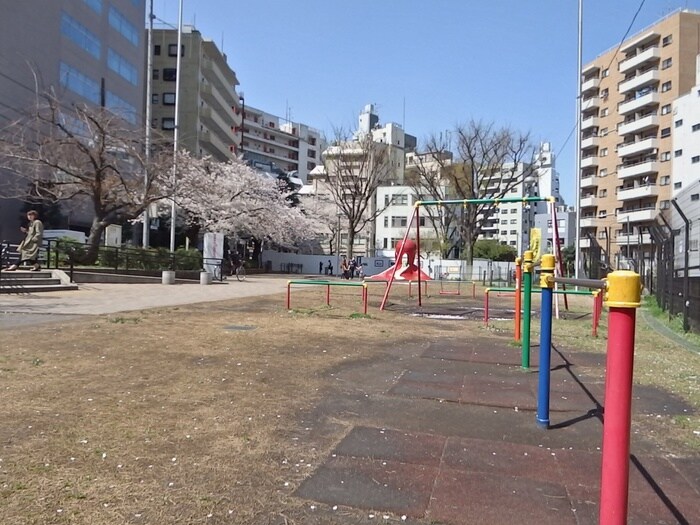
{"x":686,"y":137}
{"x":627,"y":129}
{"x":268,"y":139}
{"x":209,"y":106}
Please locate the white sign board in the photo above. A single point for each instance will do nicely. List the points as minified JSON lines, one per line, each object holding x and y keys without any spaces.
{"x":213,"y":252}
{"x":113,"y":235}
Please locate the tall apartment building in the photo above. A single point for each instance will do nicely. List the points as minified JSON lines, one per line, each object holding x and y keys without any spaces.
{"x":627,"y":127}
{"x":291,"y":146}
{"x":210,"y":109}
{"x":83,"y":51}
{"x":686,"y":137}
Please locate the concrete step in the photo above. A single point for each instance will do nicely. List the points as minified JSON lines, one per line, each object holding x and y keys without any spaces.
{"x":7,"y":289}
{"x":24,"y":281}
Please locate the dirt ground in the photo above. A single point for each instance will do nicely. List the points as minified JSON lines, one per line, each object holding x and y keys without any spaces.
{"x":204,"y":413}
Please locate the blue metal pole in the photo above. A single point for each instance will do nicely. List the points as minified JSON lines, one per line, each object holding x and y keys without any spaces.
{"x":547,"y":284}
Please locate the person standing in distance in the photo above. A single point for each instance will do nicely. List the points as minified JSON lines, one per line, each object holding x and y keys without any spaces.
{"x":29,"y":248}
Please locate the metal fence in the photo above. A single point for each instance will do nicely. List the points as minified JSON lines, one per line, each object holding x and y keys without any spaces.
{"x":676,"y":284}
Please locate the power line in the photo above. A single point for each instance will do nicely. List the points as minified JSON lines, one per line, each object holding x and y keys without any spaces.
{"x":612,"y":59}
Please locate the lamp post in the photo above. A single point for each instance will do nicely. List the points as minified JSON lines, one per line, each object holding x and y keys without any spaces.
{"x":241,"y":97}
{"x":145,"y":234}
{"x":176,"y":131}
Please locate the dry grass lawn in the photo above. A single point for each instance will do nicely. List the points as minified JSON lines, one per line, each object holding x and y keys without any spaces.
{"x":198,"y":414}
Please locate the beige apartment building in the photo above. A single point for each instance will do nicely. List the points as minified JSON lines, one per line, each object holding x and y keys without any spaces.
{"x":627,"y":125}
{"x":210,"y":109}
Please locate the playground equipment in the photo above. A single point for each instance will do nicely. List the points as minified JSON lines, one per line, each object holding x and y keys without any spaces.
{"x":410,"y":272}
{"x":327,"y":284}
{"x":415,"y":219}
{"x":622,"y":295}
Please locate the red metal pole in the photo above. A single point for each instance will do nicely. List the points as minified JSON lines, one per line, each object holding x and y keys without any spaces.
{"x":518,"y":297}
{"x":364,"y":288}
{"x":289,"y":294}
{"x":417,"y":219}
{"x":623,"y":297}
{"x":486,"y":307}
{"x":328,"y":294}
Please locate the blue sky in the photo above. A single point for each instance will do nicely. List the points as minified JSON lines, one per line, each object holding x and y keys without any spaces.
{"x":512,"y":62}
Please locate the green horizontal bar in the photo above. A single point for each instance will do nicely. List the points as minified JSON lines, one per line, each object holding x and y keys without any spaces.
{"x":329,"y":283}
{"x":484,"y":201}
{"x":539,"y":290}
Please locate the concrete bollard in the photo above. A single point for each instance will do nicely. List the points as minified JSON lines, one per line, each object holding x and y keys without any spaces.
{"x":168,"y":277}
{"x":204,"y":277}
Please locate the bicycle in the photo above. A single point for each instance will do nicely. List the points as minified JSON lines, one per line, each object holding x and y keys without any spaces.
{"x":240,"y":271}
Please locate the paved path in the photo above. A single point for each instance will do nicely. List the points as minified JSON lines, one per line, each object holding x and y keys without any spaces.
{"x":102,"y":298}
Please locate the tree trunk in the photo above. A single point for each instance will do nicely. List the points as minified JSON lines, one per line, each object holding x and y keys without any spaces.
{"x":93,"y":242}
{"x":351,"y":243}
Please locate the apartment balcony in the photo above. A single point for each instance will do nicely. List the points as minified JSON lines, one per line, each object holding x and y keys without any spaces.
{"x":590,"y":84}
{"x":650,"y":99}
{"x":638,"y":147}
{"x":640,"y":192}
{"x":589,"y":182}
{"x":590,"y":142}
{"x":587,"y":222}
{"x":587,"y":202}
{"x":214,"y":145}
{"x":633,"y":240}
{"x":590,"y":103}
{"x":641,"y":124}
{"x":588,"y":162}
{"x":214,"y":121}
{"x":488,"y":227}
{"x":645,"y":79}
{"x":653,"y":54}
{"x":645,"y":215}
{"x":648,"y":167}
{"x":588,"y":123}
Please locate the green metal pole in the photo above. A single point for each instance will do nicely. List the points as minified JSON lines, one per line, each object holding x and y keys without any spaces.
{"x":527,"y":310}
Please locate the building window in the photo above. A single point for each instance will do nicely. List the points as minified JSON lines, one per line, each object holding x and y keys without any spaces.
{"x":172,"y":50}
{"x":605,"y":93}
{"x":695,"y":159}
{"x":168,"y":123}
{"x":666,"y":86}
{"x":604,"y":112}
{"x":678,"y":123}
{"x":677,"y":185}
{"x":696,"y":127}
{"x":514,"y":221}
{"x":664,"y":205}
{"x":155,"y":75}
{"x":155,"y":98}
{"x":604,"y":152}
{"x":80,"y":35}
{"x":665,"y":180}
{"x":120,"y":107}
{"x":603,"y":193}
{"x":667,"y":40}
{"x":95,"y":5}
{"x":603,"y":173}
{"x":399,"y":199}
{"x":603,"y":132}
{"x":602,"y":214}
{"x":504,"y":232}
{"x":80,"y":83}
{"x":122,"y":67}
{"x":513,"y":232}
{"x":119,"y":22}
{"x":514,"y":210}
{"x":504,"y":221}
{"x":154,"y":122}
{"x":665,"y":110}
{"x":170,"y":74}
{"x":665,"y":156}
{"x":156,"y":50}
{"x":605,"y":73}
{"x":386,"y":220}
{"x":665,"y":132}
{"x":666,"y":63}
{"x":678,"y":153}
{"x":399,"y":222}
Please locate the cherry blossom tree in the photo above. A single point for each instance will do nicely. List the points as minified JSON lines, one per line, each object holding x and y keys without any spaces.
{"x":89,"y":156}
{"x":236,"y":199}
